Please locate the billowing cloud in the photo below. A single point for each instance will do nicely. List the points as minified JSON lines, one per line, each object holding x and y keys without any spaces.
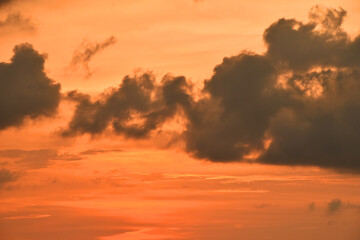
{"x":25,"y":90}
{"x":135,"y":108}
{"x":17,"y":20}
{"x":296,"y":104}
{"x":86,"y":51}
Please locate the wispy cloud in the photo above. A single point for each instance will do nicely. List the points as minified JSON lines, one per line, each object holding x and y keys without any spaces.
{"x":7,"y":176}
{"x":86,"y":51}
{"x":18,"y":21}
{"x":41,"y":158}
{"x":32,"y":216}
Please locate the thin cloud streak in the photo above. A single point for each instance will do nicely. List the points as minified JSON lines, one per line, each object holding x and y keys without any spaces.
{"x":86,"y":51}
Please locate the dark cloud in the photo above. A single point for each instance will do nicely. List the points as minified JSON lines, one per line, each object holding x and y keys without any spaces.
{"x":135,"y":108}
{"x":231,"y":122}
{"x":296,"y":104}
{"x":86,"y":51}
{"x":25,"y":90}
{"x":17,"y":20}
{"x":336,"y":205}
{"x":7,"y":176}
{"x":4,"y":2}
{"x":321,"y":42}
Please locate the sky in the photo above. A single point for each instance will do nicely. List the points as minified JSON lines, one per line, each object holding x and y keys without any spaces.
{"x":179,"y":120}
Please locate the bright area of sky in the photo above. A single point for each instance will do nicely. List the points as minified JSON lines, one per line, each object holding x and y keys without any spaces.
{"x":115,"y":188}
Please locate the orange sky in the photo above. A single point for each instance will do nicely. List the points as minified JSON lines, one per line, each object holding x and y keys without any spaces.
{"x":109,"y":187}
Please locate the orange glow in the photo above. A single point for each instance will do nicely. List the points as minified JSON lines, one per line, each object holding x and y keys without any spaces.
{"x":109,"y":187}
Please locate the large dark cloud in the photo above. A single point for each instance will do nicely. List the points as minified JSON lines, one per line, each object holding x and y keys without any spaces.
{"x":302,"y":95}
{"x":296,"y":104}
{"x":25,"y":90}
{"x":231,"y":123}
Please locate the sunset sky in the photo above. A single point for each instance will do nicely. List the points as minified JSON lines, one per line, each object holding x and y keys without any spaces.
{"x":179,"y":120}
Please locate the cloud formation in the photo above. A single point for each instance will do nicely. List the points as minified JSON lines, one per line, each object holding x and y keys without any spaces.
{"x":17,"y":20}
{"x":25,"y":90}
{"x":296,"y":104}
{"x":134,"y":109}
{"x":336,"y":205}
{"x":7,"y":176}
{"x":86,"y":51}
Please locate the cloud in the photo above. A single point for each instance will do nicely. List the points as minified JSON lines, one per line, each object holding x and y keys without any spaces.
{"x":35,"y":158}
{"x":231,"y":122}
{"x":98,"y":151}
{"x":336,"y":205}
{"x":7,"y":176}
{"x":86,"y":51}
{"x":134,"y":109}
{"x":75,"y":223}
{"x":41,"y":158}
{"x":321,"y":42}
{"x":296,"y":104}
{"x":311,"y":206}
{"x":25,"y":90}
{"x":17,"y":20}
{"x":4,"y":2}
